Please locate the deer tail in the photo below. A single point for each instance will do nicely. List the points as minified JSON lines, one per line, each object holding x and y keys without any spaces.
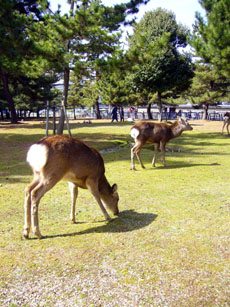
{"x":37,"y":156}
{"x":134,"y":133}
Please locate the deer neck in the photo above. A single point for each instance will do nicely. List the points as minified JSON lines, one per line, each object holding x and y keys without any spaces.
{"x":104,"y":186}
{"x":176,"y":129}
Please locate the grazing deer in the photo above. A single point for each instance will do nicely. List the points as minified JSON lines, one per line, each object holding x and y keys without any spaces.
{"x":226,"y":122}
{"x":61,"y":157}
{"x":157,"y":133}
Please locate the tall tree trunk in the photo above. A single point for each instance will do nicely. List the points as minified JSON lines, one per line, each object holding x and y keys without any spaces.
{"x":9,"y":96}
{"x":149,"y":111}
{"x":60,"y":127}
{"x":205,"y":114}
{"x":2,"y":116}
{"x":97,"y":110}
{"x":74,"y":113}
{"x":54,"y":119}
{"x":159,"y":105}
{"x":61,"y":123}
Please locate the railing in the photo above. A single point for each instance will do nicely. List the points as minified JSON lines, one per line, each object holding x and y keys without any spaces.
{"x":105,"y":114}
{"x":215,"y":116}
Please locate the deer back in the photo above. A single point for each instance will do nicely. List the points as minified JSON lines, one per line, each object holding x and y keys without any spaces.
{"x":151,"y":132}
{"x":67,"y":158}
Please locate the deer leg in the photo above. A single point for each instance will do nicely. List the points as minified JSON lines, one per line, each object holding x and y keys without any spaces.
{"x":92,"y":186}
{"x":163,"y":153}
{"x":223,"y":127}
{"x":74,"y":192}
{"x":27,"y":207}
{"x":132,"y":157}
{"x":227,"y":128}
{"x":136,"y":150}
{"x":156,"y":149}
{"x":36,"y":195}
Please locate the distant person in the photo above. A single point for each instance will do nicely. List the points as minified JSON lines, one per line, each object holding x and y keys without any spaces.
{"x":166,"y":113}
{"x":132,"y":113}
{"x":121,"y":114}
{"x":114,"y":114}
{"x":131,"y":109}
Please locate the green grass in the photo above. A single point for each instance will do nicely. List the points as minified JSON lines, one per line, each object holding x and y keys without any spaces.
{"x":168,"y":247}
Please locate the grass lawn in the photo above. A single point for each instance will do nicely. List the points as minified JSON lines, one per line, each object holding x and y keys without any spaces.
{"x":170,"y":245}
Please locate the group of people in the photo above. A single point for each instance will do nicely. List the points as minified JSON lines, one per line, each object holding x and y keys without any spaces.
{"x":115,"y":115}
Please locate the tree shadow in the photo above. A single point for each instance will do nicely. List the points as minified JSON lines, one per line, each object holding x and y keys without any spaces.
{"x":41,"y":124}
{"x":200,"y":139}
{"x":127,"y":221}
{"x":113,"y":147}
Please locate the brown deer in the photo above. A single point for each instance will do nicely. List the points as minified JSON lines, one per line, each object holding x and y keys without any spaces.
{"x":157,"y":133}
{"x":61,"y":157}
{"x":226,"y":122}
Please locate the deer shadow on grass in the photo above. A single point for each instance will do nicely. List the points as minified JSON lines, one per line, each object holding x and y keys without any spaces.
{"x":127,"y":221}
{"x":176,"y":166}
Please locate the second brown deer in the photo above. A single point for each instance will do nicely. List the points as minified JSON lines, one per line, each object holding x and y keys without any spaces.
{"x":60,"y":157}
{"x":226,"y":122}
{"x":157,"y":133}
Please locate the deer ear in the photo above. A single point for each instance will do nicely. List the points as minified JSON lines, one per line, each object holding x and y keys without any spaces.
{"x":114,"y":188}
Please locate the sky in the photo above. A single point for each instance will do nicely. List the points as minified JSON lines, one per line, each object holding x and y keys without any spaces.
{"x":183,"y":9}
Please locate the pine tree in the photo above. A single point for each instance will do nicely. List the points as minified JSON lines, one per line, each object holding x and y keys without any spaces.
{"x":207,"y":88}
{"x":211,"y":36}
{"x":88,"y":34}
{"x":17,"y":48}
{"x":160,"y":67}
{"x":113,"y":86}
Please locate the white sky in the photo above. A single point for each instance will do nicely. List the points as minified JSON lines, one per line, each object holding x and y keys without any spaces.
{"x":183,"y":9}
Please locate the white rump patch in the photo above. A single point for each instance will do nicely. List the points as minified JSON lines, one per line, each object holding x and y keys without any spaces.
{"x":134,"y":133}
{"x":37,"y":156}
{"x":226,"y":118}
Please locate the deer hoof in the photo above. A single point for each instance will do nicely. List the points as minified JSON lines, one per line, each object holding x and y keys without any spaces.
{"x":26,"y":233}
{"x":38,"y":234}
{"x":132,"y":169}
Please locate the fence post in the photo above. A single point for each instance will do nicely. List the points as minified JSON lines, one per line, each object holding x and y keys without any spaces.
{"x":47,"y":118}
